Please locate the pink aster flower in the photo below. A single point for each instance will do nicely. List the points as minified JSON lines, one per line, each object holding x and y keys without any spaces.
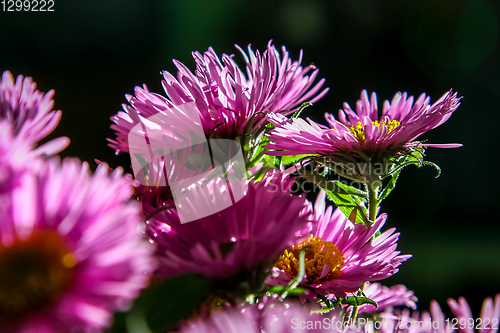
{"x":401,"y":122}
{"x":339,"y":255}
{"x":488,"y":322}
{"x":247,"y":236}
{"x":30,"y":112}
{"x":230,"y":103}
{"x":71,"y":252}
{"x":229,"y":321}
{"x":281,"y":318}
{"x":406,"y":321}
{"x":435,"y":321}
{"x":16,"y":157}
{"x":169,"y":154}
{"x":388,"y":297}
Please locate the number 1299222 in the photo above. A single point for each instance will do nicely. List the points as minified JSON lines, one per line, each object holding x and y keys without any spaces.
{"x":27,"y":5}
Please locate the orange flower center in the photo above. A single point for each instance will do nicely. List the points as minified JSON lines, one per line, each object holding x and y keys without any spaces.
{"x":359,"y":130}
{"x":318,"y":254}
{"x":34,"y":272}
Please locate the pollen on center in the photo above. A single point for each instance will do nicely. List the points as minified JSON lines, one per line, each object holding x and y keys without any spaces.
{"x":318,"y":254}
{"x":359,"y":130}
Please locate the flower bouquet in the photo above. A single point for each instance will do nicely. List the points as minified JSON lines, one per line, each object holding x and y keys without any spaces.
{"x":215,"y":231}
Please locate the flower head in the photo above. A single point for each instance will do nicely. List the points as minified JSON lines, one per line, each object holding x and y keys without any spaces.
{"x":247,"y":236}
{"x":406,"y":321}
{"x":490,"y":315}
{"x":434,"y":321}
{"x":364,"y":131}
{"x":230,"y":103}
{"x":30,"y":112}
{"x":16,"y":157}
{"x":71,"y":252}
{"x":280,"y":318}
{"x":340,"y":256}
{"x":388,"y":297}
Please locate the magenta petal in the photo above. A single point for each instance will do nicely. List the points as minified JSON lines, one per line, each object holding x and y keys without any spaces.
{"x":442,"y":145}
{"x":325,"y":271}
{"x":93,"y":220}
{"x":53,"y":147}
{"x":28,"y":110}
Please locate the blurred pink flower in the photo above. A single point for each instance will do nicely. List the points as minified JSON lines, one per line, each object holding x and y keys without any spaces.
{"x":435,"y":322}
{"x":71,"y":252}
{"x":405,"y":321}
{"x":30,"y":112}
{"x":280,"y":318}
{"x":16,"y":157}
{"x":488,"y":322}
{"x":388,"y":297}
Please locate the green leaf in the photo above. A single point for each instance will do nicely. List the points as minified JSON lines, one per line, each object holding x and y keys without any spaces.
{"x":347,"y":198}
{"x":273,"y":162}
{"x":293,"y":158}
{"x":351,"y":189}
{"x":160,"y":307}
{"x":357,"y":301}
{"x":438,"y":169}
{"x":350,"y":206}
{"x":390,"y":186}
{"x":415,"y":158}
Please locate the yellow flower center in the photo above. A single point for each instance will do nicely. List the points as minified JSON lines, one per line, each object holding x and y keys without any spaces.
{"x":359,"y":130}
{"x":318,"y":255}
{"x":34,"y":272}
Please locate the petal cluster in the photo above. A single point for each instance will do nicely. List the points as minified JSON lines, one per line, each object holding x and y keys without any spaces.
{"x":16,"y":156}
{"x":489,"y":319}
{"x":435,"y":321}
{"x":30,"y":112}
{"x":246,"y":236}
{"x":281,"y":318}
{"x":362,"y":258}
{"x":388,"y":297}
{"x":401,"y":122}
{"x":230,"y":102}
{"x":86,"y":230}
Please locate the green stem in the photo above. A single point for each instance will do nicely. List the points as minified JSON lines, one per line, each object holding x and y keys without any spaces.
{"x":355,"y":310}
{"x":255,"y":160}
{"x":373,"y":203}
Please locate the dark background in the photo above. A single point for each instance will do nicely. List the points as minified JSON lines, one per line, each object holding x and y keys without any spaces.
{"x":94,"y":52}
